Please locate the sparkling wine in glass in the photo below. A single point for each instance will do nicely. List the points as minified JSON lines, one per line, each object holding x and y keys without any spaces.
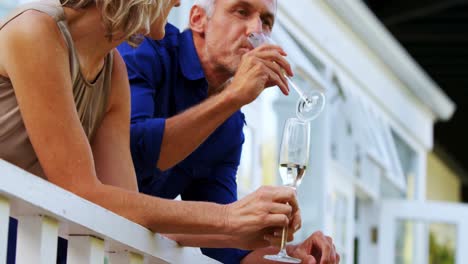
{"x":311,"y":101}
{"x":293,"y":160}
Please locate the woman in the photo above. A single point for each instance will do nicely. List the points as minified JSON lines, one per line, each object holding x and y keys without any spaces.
{"x":64,"y":116}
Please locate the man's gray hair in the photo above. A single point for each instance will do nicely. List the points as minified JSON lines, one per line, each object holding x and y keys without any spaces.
{"x":208,"y":5}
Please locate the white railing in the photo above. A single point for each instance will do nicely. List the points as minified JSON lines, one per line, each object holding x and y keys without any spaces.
{"x":46,"y":211}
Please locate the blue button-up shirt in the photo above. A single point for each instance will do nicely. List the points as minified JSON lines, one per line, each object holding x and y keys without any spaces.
{"x":167,"y":78}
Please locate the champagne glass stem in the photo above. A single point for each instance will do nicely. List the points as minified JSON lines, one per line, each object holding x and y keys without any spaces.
{"x":284,"y":240}
{"x":284,"y":234}
{"x":299,"y":91}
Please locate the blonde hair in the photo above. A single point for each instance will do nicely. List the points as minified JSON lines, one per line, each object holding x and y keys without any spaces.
{"x":133,"y":17}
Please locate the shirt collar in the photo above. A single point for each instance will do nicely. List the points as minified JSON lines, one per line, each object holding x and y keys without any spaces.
{"x":188,"y":57}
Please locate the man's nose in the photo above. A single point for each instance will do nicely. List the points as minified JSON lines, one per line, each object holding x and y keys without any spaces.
{"x":255,"y":26}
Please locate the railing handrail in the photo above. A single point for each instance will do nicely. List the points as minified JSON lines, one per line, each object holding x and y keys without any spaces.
{"x":31,"y":195}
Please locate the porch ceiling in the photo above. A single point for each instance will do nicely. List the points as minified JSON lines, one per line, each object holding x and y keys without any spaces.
{"x":435,"y":33}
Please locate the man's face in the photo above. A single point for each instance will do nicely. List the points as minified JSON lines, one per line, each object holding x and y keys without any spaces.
{"x":227,"y":30}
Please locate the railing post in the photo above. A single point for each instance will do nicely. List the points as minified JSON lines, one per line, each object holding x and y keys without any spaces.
{"x":125,"y":258}
{"x":4,"y":222}
{"x":85,"y":249}
{"x":37,"y":240}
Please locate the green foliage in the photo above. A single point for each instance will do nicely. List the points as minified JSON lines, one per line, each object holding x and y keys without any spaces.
{"x":440,"y":254}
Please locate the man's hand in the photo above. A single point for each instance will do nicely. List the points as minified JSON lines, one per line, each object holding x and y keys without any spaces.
{"x":260,"y":68}
{"x":316,"y":249}
{"x":268,"y":208}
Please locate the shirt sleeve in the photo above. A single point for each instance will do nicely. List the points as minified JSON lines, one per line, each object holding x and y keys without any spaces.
{"x":220,"y":187}
{"x":146,"y":132}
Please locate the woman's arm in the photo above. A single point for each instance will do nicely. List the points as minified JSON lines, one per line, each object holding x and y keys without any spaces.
{"x":219,"y":241}
{"x":111,"y":143}
{"x":37,"y":64}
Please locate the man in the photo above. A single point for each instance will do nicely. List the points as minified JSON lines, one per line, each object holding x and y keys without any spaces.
{"x":186,"y":134}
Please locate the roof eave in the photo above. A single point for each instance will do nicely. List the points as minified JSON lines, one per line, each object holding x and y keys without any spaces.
{"x":364,"y":23}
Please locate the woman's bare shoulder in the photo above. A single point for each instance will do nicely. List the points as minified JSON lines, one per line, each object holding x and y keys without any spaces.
{"x":118,"y":69}
{"x":120,"y":90}
{"x":33,"y":30}
{"x":30,"y":21}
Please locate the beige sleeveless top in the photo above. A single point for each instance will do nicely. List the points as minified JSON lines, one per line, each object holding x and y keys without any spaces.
{"x":90,"y":98}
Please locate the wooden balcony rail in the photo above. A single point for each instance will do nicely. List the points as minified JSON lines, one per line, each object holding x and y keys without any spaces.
{"x":46,"y":211}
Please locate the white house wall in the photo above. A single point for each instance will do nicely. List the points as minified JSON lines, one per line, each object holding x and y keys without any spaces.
{"x":317,"y":26}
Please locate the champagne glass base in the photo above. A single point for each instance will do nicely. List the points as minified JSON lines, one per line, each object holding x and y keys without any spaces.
{"x":310,"y":108}
{"x":282,"y":258}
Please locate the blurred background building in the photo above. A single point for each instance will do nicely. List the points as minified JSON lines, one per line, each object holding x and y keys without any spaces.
{"x":387,"y":175}
{"x":435,"y":34}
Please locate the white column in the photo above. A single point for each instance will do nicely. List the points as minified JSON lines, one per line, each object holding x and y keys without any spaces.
{"x":315,"y":191}
{"x":387,"y":237}
{"x":462,"y":239}
{"x":85,"y":249}
{"x":320,"y":172}
{"x":4,"y":222}
{"x":37,"y":240}
{"x":421,"y":229}
{"x":125,"y":258}
{"x":421,"y":175}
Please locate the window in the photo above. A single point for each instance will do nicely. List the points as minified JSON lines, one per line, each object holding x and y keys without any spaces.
{"x":362,"y":143}
{"x":407,"y":157}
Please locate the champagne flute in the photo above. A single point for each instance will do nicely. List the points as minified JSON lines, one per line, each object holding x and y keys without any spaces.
{"x":293,"y":160}
{"x":311,"y":101}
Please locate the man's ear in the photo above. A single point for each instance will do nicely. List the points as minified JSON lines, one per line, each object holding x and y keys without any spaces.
{"x":197,"y":19}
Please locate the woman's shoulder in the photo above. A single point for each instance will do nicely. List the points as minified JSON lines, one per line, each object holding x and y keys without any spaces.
{"x":32,"y":30}
{"x":32,"y":23}
{"x":118,"y":64}
{"x":120,"y":90}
